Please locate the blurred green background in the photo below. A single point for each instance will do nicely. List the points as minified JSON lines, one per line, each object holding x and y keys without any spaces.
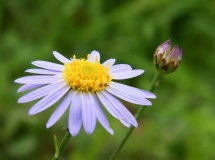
{"x":181,"y":122}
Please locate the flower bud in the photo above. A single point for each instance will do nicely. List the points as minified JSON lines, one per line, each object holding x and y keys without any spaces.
{"x":167,"y":59}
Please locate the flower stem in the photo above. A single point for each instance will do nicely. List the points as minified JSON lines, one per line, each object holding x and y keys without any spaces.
{"x":155,"y":82}
{"x":59,"y":149}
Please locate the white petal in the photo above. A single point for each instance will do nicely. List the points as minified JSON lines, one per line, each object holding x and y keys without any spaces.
{"x":48,"y":65}
{"x":93,"y":56}
{"x":60,"y":110}
{"x":41,"y":92}
{"x":49,"y":100}
{"x":88,"y":112}
{"x":42,"y":71}
{"x":38,"y":79}
{"x":100,"y":115}
{"x":75,"y":115}
{"x":60,"y":57}
{"x":131,"y":90}
{"x":28,"y":86}
{"x":109,"y":62}
{"x":131,"y":97}
{"x":126,"y":74}
{"x":116,"y":108}
{"x":120,"y":68}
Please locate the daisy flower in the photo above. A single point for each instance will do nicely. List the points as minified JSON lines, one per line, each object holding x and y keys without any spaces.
{"x":83,"y":84}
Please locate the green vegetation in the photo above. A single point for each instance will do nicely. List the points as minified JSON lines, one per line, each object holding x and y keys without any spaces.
{"x":180,"y":125}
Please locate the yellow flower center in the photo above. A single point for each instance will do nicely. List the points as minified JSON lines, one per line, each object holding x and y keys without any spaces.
{"x":83,"y":75}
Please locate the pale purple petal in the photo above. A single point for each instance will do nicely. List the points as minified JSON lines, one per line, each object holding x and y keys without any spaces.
{"x":88,"y":112}
{"x":109,"y":62}
{"x":28,"y":87}
{"x":49,"y":100}
{"x":125,"y":122}
{"x":126,"y":74}
{"x":164,"y":48}
{"x":119,"y":68}
{"x":116,"y":108}
{"x":60,"y":109}
{"x":60,"y":57}
{"x":100,"y":115}
{"x":179,"y":54}
{"x":117,"y":104}
{"x":75,"y":115}
{"x":48,"y":65}
{"x":171,"y":54}
{"x":42,"y":71}
{"x":93,"y":56}
{"x":41,"y":92}
{"x":113,"y":111}
{"x":38,"y":79}
{"x":131,"y":90}
{"x":131,"y":97}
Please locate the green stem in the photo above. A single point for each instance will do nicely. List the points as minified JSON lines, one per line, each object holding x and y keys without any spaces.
{"x":59,"y":150}
{"x":155,"y":82}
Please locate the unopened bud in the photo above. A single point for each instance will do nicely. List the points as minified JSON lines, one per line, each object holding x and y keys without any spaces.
{"x":167,"y":59}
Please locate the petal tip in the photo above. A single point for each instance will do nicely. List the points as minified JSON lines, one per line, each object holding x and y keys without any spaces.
{"x":149,"y":104}
{"x":110,"y":130}
{"x":94,"y":55}
{"x":34,"y":62}
{"x":142,"y":71}
{"x":136,"y":125}
{"x":55,"y":52}
{"x":19,"y":100}
{"x":94,"y":51}
{"x":16,"y":80}
{"x":73,"y":134}
{"x":31,"y":112}
{"x":89,"y":132}
{"x":48,"y":125}
{"x":153,"y":96}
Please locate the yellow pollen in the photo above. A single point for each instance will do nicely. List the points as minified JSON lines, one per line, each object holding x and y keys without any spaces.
{"x":87,"y":76}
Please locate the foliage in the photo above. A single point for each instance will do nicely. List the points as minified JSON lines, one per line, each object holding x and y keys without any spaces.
{"x":179,"y":125}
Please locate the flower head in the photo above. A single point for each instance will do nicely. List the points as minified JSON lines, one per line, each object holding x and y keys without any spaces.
{"x":83,"y":84}
{"x":167,"y":59}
